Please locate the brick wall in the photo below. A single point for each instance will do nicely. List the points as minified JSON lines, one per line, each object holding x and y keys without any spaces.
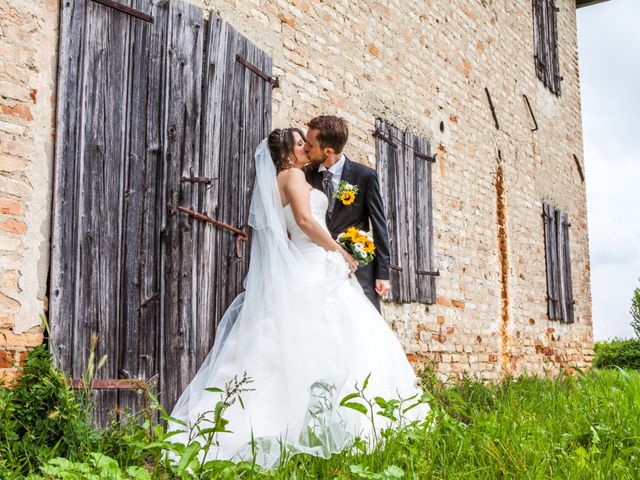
{"x":421,"y":66}
{"x":28,"y":39}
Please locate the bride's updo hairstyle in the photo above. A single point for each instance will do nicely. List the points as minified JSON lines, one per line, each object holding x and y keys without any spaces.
{"x":280,"y":143}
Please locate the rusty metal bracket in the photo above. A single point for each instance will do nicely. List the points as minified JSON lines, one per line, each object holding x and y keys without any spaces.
{"x":431,"y":159}
{"x":125,"y":9}
{"x":239,"y":233}
{"x":382,"y":136}
{"x":207,"y":180}
{"x":493,"y":110}
{"x":115,"y":383}
{"x":426,"y":272}
{"x":274,"y":81}
{"x":535,"y":122}
{"x":579,"y":167}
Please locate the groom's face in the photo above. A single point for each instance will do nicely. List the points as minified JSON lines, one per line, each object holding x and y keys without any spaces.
{"x":315,"y":152}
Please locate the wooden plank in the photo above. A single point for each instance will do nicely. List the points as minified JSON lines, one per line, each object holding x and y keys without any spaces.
{"x":553,"y":293}
{"x":153,"y":206}
{"x":568,"y":283}
{"x":424,"y":223}
{"x":213,"y":76}
{"x":555,"y":53}
{"x":387,"y":167}
{"x":137,"y":349}
{"x":560,"y":267}
{"x":102,"y":165}
{"x":233,"y":189}
{"x":408,"y":226}
{"x":224,"y":251}
{"x":64,"y":242}
{"x":182,"y":117}
{"x":547,"y":217}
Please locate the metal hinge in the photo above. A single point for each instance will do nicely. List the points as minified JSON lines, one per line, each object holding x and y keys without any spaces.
{"x":426,"y":272}
{"x":115,"y":383}
{"x":239,"y":233}
{"x":274,"y":81}
{"x":126,"y":9}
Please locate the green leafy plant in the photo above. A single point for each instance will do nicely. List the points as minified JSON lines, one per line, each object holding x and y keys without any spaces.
{"x":578,"y":425}
{"x":618,"y":353}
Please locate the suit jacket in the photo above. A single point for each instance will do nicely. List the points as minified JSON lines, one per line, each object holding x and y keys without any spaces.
{"x":367,"y":209}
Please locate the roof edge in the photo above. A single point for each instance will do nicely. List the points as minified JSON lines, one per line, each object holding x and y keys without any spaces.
{"x":586,"y":3}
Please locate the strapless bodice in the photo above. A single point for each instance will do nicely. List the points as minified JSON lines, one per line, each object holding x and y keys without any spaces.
{"x":319,"y":203}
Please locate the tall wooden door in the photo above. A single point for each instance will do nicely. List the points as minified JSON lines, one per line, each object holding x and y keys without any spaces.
{"x":159,"y":109}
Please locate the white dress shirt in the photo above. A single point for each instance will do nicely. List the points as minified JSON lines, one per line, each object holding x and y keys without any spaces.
{"x":336,"y":171}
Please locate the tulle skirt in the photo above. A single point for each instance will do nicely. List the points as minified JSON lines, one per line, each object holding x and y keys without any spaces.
{"x":304,"y":351}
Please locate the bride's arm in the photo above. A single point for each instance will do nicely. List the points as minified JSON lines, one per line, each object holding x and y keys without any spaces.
{"x":297,"y":190}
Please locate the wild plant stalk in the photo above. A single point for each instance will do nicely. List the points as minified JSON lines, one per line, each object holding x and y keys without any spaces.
{"x":232,"y":392}
{"x":635,"y":312}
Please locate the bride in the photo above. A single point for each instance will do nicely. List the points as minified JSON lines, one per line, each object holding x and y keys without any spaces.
{"x":303,"y":331}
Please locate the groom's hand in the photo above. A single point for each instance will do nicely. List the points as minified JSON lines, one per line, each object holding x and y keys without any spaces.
{"x":383,"y":287}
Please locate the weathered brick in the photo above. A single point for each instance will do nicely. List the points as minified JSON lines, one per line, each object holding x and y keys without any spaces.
{"x":31,"y":338}
{"x":19,"y":110}
{"x":10,"y":206}
{"x":7,"y":358}
{"x":9,"y":163}
{"x":13,"y":226}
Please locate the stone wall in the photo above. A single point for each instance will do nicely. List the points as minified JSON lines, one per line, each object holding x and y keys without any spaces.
{"x":422,"y":66}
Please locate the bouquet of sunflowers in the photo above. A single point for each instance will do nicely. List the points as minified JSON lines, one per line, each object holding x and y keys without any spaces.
{"x":346,"y":192}
{"x":359,"y":244}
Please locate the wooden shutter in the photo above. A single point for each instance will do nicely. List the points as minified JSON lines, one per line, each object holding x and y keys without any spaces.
{"x":423,"y":254}
{"x":558,"y":265}
{"x":566,"y":289}
{"x":549,"y":241}
{"x":545,"y":38}
{"x":404,"y":166}
{"x":389,"y":153}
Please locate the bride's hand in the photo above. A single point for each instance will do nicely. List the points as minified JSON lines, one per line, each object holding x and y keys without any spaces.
{"x":351,"y":262}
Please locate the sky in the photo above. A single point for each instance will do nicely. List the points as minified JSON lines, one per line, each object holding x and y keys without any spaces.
{"x":609,"y":55}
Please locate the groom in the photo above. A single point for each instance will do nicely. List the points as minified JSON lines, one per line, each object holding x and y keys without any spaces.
{"x":326,"y":138}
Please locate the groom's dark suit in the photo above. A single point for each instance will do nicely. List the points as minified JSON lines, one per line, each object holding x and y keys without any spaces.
{"x":366,"y":207}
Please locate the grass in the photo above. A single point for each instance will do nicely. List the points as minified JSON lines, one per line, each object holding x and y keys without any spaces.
{"x":583,"y":426}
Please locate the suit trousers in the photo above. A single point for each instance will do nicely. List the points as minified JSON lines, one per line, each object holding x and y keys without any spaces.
{"x":366,"y":278}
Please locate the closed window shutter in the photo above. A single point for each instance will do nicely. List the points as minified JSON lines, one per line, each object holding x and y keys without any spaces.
{"x":545,"y":38}
{"x":423,"y":232}
{"x":558,"y":262}
{"x":404,"y":167}
{"x":388,"y":161}
{"x":549,"y":240}
{"x":567,"y":284}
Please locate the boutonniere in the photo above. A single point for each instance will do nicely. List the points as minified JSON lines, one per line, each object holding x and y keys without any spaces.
{"x":346,"y":192}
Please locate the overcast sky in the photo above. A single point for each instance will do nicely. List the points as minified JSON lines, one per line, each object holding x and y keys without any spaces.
{"x":609,"y":52}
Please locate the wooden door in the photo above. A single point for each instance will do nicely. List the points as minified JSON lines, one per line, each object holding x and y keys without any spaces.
{"x":157,"y":110}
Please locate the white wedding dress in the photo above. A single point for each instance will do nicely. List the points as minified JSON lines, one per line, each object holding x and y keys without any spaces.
{"x":305,"y":348}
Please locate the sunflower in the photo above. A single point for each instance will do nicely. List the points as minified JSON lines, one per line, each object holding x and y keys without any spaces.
{"x":347,"y":198}
{"x":369,"y":247}
{"x":352,"y":232}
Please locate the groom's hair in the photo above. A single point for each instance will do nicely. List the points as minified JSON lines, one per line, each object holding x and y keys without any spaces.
{"x":333,"y":131}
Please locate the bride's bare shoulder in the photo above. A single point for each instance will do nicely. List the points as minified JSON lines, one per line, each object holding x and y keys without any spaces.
{"x":291,"y":176}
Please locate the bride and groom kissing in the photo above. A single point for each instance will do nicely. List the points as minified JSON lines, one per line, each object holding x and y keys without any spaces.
{"x":305,"y":329}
